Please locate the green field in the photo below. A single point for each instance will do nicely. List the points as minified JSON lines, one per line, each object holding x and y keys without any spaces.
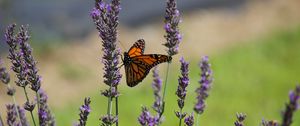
{"x":253,"y":78}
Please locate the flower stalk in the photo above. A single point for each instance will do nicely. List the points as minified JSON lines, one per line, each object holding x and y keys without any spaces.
{"x":173,"y":38}
{"x":205,"y":85}
{"x":106,"y":18}
{"x":183,"y":82}
{"x":85,"y":110}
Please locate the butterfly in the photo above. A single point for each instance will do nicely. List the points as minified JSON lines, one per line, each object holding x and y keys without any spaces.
{"x":137,"y":64}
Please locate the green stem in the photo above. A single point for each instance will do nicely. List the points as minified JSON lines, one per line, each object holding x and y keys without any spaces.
{"x":117,"y":108}
{"x":109,"y":105}
{"x":197,"y":120}
{"x":180,"y":119}
{"x":27,"y":99}
{"x":164,"y":93}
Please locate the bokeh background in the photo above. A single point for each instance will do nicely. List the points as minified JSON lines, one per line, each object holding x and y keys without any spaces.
{"x":254,"y":47}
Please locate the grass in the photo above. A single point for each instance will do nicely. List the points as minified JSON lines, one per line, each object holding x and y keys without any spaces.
{"x":252,"y":78}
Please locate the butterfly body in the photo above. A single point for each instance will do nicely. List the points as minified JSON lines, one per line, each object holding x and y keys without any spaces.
{"x":137,"y":64}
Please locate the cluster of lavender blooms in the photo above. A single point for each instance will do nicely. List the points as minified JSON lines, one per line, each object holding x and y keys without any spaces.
{"x":205,"y":81}
{"x":24,"y":66}
{"x":183,"y":82}
{"x":172,"y":19}
{"x":106,"y":18}
{"x":156,"y":85}
{"x":145,"y":119}
{"x":85,"y":110}
{"x":240,"y":119}
{"x":189,"y":120}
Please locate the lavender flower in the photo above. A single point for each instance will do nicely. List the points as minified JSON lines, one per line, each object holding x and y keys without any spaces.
{"x":156,"y":85}
{"x":145,"y":119}
{"x":84,"y":112}
{"x":183,"y":82}
{"x":205,"y":84}
{"x":30,"y":63}
{"x":270,"y":123}
{"x":18,"y":65}
{"x":240,"y":118}
{"x":291,"y":107}
{"x":106,"y":19}
{"x":44,"y":113}
{"x":189,"y":120}
{"x":172,"y":19}
{"x":12,"y":115}
{"x":23,"y":119}
{"x":4,"y":76}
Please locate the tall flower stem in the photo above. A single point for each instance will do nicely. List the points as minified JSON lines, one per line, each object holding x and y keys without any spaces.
{"x":27,"y":101}
{"x":164,"y":92}
{"x":172,"y":36}
{"x":180,"y":120}
{"x":117,"y":108}
{"x":197,"y":120}
{"x":106,"y":18}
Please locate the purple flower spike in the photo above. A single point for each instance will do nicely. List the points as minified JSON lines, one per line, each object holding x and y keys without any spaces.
{"x":205,"y":84}
{"x":44,"y":113}
{"x":189,"y":120}
{"x":18,"y":63}
{"x":84,"y":112}
{"x":106,"y":21}
{"x":156,"y":85}
{"x":30,"y":64}
{"x":12,"y":115}
{"x":146,"y":119}
{"x":291,"y":107}
{"x":172,"y":19}
{"x":183,"y":82}
{"x":240,"y":118}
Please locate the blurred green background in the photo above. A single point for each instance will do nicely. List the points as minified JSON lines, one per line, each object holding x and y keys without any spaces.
{"x":253,"y":49}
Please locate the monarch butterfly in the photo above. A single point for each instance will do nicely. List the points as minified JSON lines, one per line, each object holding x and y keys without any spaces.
{"x":137,"y":64}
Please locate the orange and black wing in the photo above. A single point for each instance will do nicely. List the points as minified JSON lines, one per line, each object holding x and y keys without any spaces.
{"x":140,"y":66}
{"x":137,"y":49}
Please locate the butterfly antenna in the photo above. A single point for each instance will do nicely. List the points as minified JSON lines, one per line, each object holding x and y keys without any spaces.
{"x":123,"y":47}
{"x":122,"y":61}
{"x":121,"y":66}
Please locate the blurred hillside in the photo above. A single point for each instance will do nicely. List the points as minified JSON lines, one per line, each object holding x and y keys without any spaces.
{"x":75,"y":68}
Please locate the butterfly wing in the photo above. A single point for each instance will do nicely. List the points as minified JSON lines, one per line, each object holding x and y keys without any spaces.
{"x":140,"y":66}
{"x":137,"y":49}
